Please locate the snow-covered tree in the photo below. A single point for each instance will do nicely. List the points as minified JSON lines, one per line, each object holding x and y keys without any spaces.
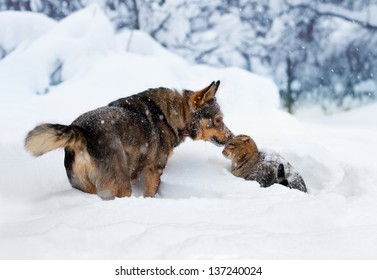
{"x":322,"y":52}
{"x":318,"y":51}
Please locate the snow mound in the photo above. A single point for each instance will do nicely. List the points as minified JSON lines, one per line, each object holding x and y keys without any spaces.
{"x":59,"y":54}
{"x":17,"y":29}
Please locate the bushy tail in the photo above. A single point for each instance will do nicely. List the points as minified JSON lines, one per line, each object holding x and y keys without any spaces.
{"x":47,"y":137}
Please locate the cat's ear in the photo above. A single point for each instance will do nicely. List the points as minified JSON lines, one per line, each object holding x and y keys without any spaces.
{"x":244,"y":138}
{"x":281,"y":176}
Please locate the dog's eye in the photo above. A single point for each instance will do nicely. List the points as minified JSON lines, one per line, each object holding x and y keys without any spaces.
{"x":217,"y":121}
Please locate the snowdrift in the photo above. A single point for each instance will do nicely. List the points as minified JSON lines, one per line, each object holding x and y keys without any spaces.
{"x":55,"y":73}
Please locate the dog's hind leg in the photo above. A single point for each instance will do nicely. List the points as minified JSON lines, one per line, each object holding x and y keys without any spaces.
{"x":112,"y":181}
{"x":109,"y":189}
{"x":112,"y":177}
{"x":78,"y":167}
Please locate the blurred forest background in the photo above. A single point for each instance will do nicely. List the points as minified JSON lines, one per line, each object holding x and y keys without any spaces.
{"x":320,"y":52}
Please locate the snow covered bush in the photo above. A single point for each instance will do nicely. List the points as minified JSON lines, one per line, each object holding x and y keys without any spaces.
{"x":290,"y":41}
{"x":53,"y":52}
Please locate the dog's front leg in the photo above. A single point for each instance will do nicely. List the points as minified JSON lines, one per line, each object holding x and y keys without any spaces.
{"x":152,"y":181}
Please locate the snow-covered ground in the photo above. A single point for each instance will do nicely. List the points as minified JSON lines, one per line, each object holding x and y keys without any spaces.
{"x":58,"y":71}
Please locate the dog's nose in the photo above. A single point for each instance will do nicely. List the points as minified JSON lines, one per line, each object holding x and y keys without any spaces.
{"x":230,"y":134}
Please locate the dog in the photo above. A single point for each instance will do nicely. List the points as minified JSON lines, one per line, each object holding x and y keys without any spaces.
{"x":107,"y":148}
{"x":265,"y":167}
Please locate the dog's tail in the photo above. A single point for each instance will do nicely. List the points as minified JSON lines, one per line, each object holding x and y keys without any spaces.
{"x":47,"y":137}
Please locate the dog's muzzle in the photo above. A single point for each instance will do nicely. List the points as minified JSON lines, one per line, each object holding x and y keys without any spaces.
{"x":217,"y":141}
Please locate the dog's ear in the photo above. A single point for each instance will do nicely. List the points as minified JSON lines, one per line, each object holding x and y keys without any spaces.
{"x":207,"y":94}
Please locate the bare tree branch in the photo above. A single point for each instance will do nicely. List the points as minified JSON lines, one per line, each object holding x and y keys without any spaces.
{"x":161,"y":25}
{"x":329,"y":13}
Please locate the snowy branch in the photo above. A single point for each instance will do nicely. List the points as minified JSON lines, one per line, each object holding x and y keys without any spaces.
{"x":326,"y":11}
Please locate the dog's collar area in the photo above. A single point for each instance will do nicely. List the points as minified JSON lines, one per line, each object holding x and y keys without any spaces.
{"x":185,"y":131}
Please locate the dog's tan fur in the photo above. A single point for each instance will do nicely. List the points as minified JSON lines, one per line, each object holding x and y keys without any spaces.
{"x":108,"y":147}
{"x":45,"y":140}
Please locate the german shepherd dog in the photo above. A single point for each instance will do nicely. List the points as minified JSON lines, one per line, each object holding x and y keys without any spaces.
{"x":107,"y":148}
